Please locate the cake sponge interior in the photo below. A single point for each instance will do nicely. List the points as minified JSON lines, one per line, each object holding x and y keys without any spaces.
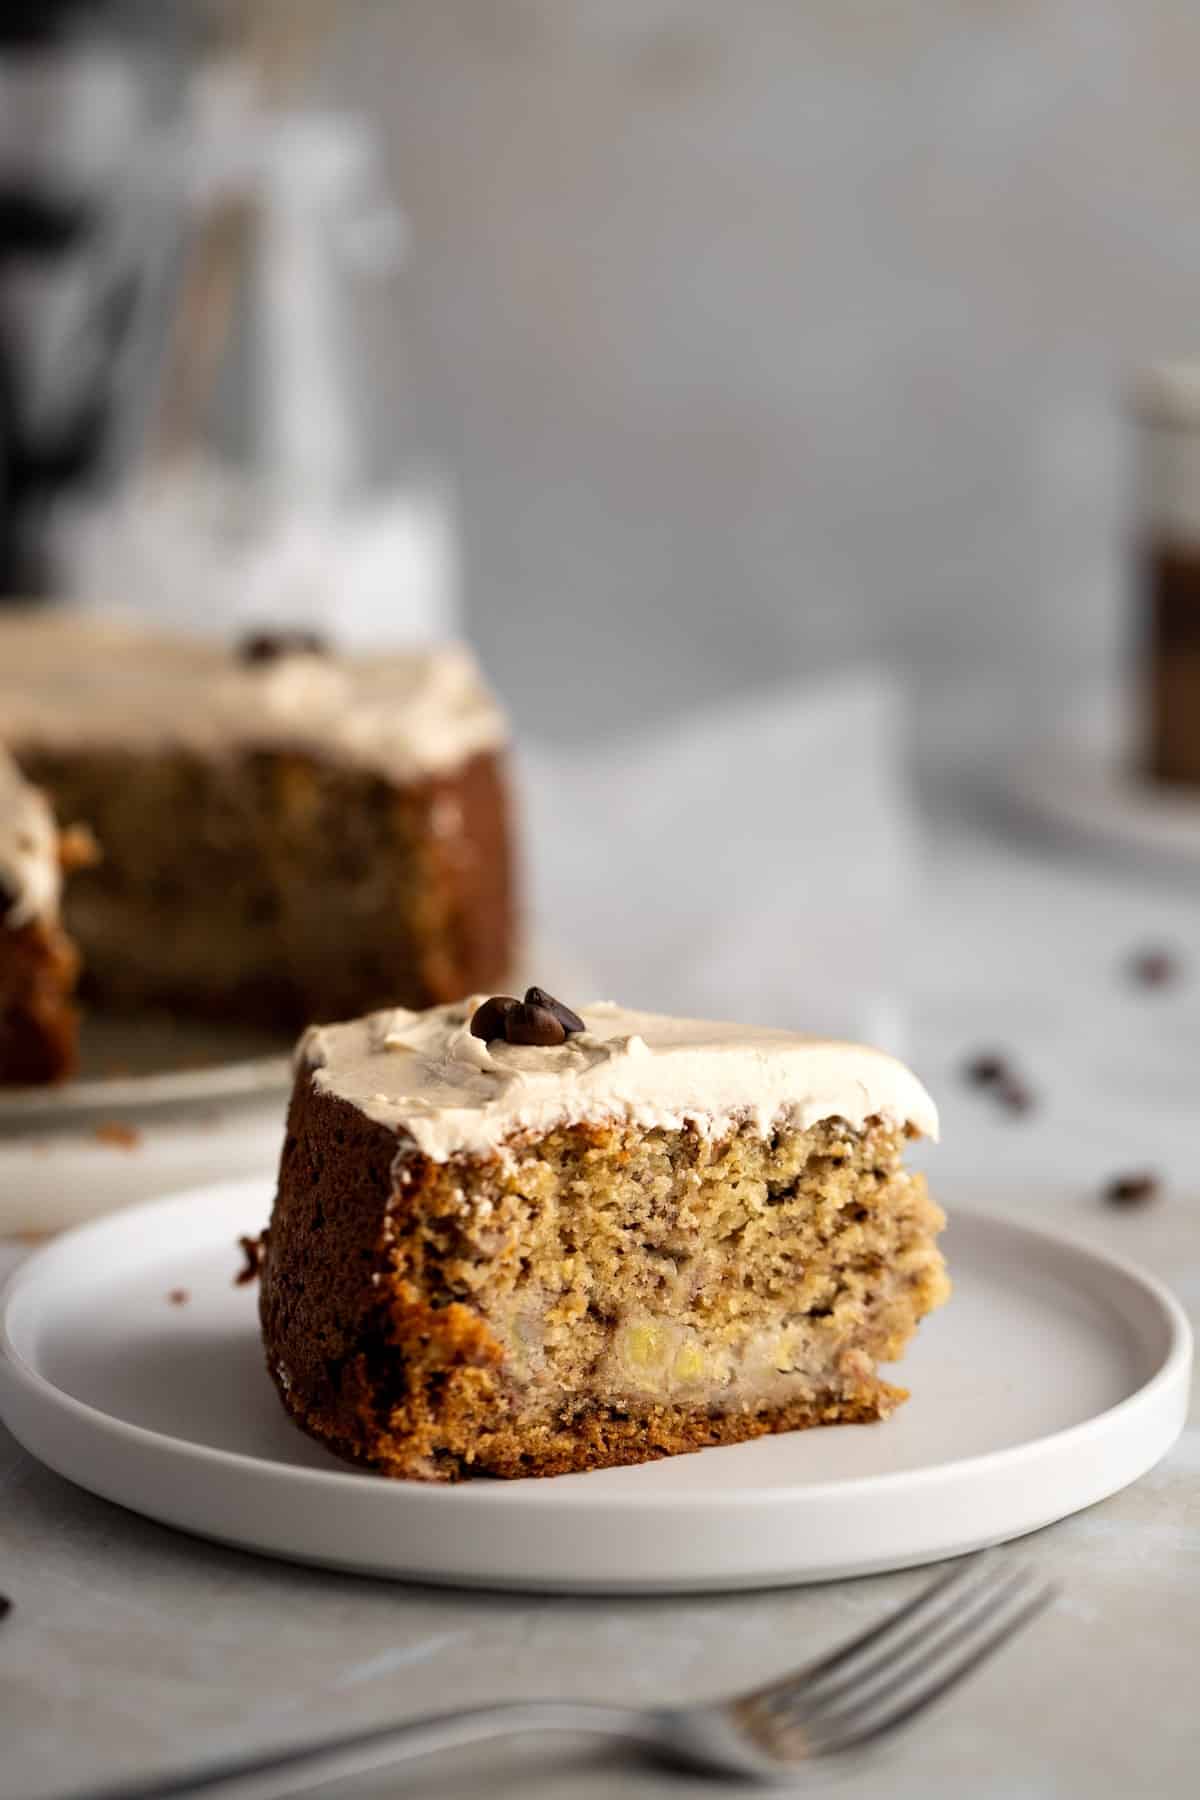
{"x":599,"y":1294}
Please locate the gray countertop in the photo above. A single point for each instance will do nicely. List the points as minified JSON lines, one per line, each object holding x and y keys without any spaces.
{"x":132,"y":1648}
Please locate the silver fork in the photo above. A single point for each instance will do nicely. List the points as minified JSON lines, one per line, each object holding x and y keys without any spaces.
{"x":847,"y":1701}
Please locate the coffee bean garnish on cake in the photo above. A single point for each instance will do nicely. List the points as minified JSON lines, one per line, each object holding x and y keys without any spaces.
{"x":270,"y":646}
{"x":487,"y":1021}
{"x":570,"y":1021}
{"x":1132,"y":1190}
{"x":539,"y":1019}
{"x":527,"y":1024}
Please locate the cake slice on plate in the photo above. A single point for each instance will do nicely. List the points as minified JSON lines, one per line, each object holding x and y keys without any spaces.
{"x":510,"y":1239}
{"x":39,"y":965}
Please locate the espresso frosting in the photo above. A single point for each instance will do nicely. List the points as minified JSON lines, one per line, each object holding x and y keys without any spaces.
{"x":72,"y":681}
{"x":423,"y":1075}
{"x":30,"y":879}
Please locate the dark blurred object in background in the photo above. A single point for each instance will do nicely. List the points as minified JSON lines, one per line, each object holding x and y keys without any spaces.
{"x":1166,"y":403}
{"x":84,"y":86}
{"x":206,"y":394}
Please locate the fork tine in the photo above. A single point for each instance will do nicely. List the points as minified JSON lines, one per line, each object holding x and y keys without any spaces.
{"x":876,"y":1633}
{"x":906,"y":1653}
{"x":914,"y":1626}
{"x":1005,"y":1627}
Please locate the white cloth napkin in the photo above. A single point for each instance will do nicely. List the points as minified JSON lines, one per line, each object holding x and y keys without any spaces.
{"x":750,"y":862}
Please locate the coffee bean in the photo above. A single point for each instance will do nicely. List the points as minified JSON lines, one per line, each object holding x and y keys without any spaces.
{"x":487,"y":1021}
{"x":1154,"y":968}
{"x":1014,"y":1095}
{"x":270,"y":646}
{"x":570,"y":1021}
{"x":1132,"y":1190}
{"x":527,"y":1024}
{"x":986,"y":1069}
{"x":994,"y":1072}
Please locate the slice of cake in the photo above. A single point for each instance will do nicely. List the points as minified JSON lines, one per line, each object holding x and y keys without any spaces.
{"x":289,"y":834}
{"x":39,"y":1026}
{"x":510,"y":1240}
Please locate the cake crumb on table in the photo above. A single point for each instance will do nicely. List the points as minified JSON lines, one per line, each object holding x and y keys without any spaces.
{"x":179,"y":1296}
{"x":118,"y":1134}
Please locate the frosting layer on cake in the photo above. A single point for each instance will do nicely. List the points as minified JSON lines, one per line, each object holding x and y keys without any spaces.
{"x":424,"y":1075}
{"x":71,"y":681}
{"x":30,"y":879}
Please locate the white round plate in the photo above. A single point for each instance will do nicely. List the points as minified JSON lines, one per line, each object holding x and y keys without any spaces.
{"x":1055,"y":1376}
{"x":146,"y":1060}
{"x":1082,"y":784}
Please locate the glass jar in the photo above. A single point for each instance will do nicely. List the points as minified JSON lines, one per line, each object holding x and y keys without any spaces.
{"x":1166,"y":409}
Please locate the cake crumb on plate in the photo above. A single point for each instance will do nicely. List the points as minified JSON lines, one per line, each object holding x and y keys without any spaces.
{"x":120,"y":1135}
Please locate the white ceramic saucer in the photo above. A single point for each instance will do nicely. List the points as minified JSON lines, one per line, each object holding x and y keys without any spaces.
{"x":1055,"y":1376}
{"x":143,"y":1061}
{"x":1082,"y":784}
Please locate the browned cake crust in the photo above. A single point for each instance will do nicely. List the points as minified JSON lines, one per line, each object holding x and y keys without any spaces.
{"x":39,"y":1026}
{"x":435,"y":1333}
{"x":281,"y":888}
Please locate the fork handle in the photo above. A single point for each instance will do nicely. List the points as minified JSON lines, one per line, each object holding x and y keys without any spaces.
{"x":283,"y":1773}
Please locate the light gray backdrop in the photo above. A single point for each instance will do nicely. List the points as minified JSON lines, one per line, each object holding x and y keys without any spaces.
{"x":760,"y":333}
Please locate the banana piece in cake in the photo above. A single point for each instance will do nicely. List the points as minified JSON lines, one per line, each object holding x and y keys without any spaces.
{"x":542,"y":1246}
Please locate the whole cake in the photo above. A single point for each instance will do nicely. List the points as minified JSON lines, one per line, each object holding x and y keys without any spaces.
{"x":512,"y":1240}
{"x":39,"y":1026}
{"x":288,"y":834}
